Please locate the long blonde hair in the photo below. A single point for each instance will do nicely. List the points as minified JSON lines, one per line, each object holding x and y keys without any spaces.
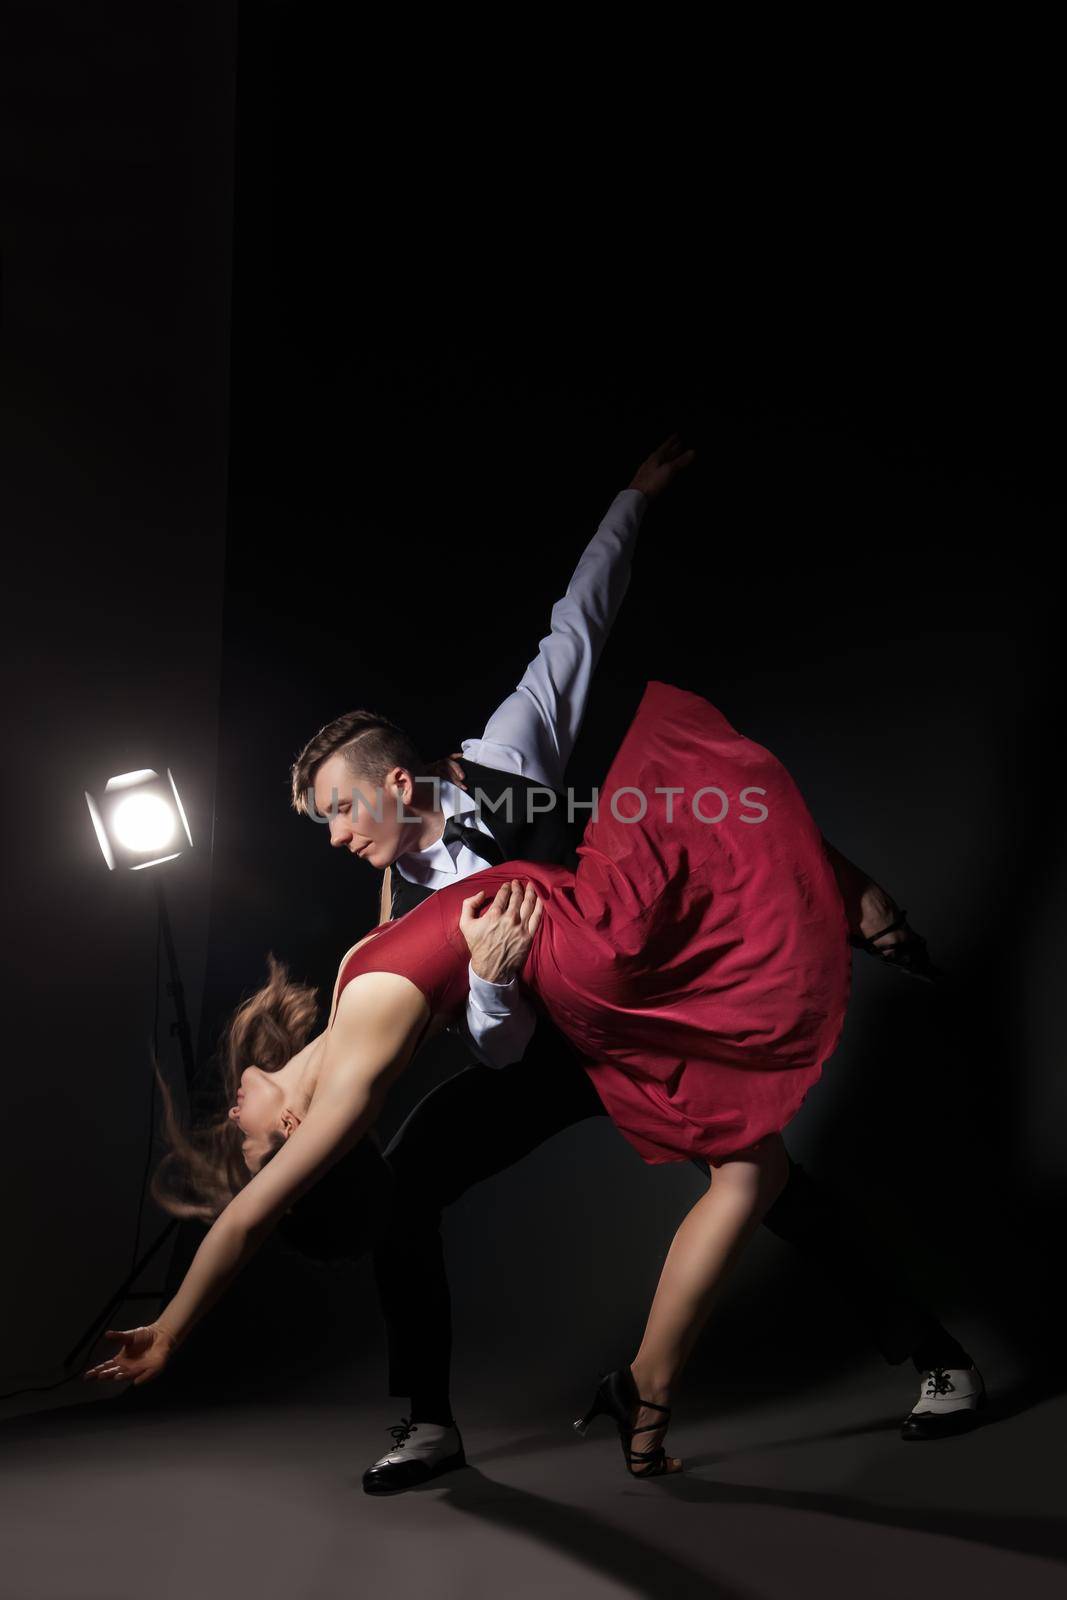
{"x":203,"y":1167}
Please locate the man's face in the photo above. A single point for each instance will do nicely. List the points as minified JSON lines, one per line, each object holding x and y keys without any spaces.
{"x":363,"y":819}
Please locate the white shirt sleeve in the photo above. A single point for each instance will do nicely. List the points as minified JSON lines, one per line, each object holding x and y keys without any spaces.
{"x":535,"y":729}
{"x":500,"y":1020}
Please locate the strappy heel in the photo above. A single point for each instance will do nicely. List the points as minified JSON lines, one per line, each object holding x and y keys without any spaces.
{"x":908,"y":955}
{"x":617,"y":1397}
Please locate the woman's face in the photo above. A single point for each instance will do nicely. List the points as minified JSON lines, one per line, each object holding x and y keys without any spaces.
{"x":261,"y":1115}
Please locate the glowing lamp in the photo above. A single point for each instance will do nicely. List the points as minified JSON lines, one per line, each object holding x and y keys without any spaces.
{"x":139,"y":820}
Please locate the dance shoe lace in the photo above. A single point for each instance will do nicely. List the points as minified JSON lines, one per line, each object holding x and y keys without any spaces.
{"x":421,"y":1450}
{"x":949,"y":1401}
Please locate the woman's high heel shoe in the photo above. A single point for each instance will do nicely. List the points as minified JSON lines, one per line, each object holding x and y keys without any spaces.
{"x":908,"y":955}
{"x":617,"y":1397}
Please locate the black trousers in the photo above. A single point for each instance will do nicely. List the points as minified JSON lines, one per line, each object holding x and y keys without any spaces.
{"x":484,"y":1120}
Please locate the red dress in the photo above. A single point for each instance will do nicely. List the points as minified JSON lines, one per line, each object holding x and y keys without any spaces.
{"x":701,"y":968}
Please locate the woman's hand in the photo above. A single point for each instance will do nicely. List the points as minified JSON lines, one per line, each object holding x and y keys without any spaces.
{"x":499,"y":940}
{"x":145,"y":1352}
{"x":661,"y":467}
{"x":449,"y":769}
{"x":454,"y":770}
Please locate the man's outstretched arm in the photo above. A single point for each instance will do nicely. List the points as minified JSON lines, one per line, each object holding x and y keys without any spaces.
{"x":534,"y":731}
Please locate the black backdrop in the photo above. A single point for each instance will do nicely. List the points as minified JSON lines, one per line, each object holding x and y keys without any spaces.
{"x":439,"y":380}
{"x":116,"y":158}
{"x":427,"y":426}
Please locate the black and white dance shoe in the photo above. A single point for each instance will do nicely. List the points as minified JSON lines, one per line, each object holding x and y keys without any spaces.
{"x":421,"y":1450}
{"x":948,"y":1403}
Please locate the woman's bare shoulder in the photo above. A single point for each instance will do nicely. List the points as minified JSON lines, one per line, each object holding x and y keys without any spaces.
{"x":388,"y":988}
{"x":346,"y":958}
{"x":375,"y":933}
{"x":367,"y":937}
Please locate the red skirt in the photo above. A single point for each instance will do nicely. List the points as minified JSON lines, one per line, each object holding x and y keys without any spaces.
{"x":698,"y":958}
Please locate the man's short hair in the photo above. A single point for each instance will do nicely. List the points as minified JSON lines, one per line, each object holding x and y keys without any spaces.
{"x":371,"y":746}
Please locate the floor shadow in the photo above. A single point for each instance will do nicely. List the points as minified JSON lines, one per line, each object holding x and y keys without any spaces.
{"x":1001,"y":1406}
{"x":614,"y":1552}
{"x":1036,"y":1536}
{"x":856,"y":1430}
{"x":620,"y":1555}
{"x":531,"y":1444}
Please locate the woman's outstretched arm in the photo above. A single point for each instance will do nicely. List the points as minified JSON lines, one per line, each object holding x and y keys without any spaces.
{"x":373,"y":1033}
{"x":371,"y":1038}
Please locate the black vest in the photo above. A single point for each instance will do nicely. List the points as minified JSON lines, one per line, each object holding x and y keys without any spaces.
{"x":544,"y":836}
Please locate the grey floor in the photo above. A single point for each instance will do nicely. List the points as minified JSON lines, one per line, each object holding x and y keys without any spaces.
{"x":813,"y":1495}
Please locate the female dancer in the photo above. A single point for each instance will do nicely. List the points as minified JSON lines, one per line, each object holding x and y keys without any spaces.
{"x":698,"y":962}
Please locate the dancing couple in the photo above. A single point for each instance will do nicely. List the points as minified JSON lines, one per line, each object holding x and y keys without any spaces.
{"x":684,"y":973}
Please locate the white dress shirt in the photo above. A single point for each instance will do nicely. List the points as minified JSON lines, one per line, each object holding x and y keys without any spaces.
{"x":533,"y":733}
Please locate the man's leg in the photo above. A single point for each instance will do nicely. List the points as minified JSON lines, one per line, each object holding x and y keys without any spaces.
{"x":474,"y":1125}
{"x":812,"y":1219}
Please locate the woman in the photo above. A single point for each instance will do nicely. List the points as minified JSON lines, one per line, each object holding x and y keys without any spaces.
{"x":697,"y":960}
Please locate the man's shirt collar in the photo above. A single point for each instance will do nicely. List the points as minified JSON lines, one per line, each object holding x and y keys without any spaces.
{"x":418,"y":866}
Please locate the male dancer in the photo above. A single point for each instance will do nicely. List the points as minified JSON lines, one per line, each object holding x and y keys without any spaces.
{"x":365,"y":775}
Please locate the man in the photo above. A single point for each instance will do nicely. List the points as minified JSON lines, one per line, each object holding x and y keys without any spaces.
{"x":422,"y":827}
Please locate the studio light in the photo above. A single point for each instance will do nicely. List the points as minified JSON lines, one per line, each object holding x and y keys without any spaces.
{"x":139,"y":820}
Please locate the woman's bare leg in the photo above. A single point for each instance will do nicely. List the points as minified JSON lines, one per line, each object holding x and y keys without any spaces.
{"x":703,"y":1250}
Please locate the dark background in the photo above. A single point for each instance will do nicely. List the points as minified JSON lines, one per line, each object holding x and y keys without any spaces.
{"x":117,"y":174}
{"x":440,"y":375}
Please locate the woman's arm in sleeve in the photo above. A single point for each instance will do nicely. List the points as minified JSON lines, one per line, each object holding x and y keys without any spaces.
{"x":376,"y":1025}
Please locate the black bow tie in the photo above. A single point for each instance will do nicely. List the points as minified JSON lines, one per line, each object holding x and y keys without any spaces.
{"x":480,"y":844}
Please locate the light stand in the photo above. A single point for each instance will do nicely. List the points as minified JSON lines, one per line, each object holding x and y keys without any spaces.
{"x":180,"y":1027}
